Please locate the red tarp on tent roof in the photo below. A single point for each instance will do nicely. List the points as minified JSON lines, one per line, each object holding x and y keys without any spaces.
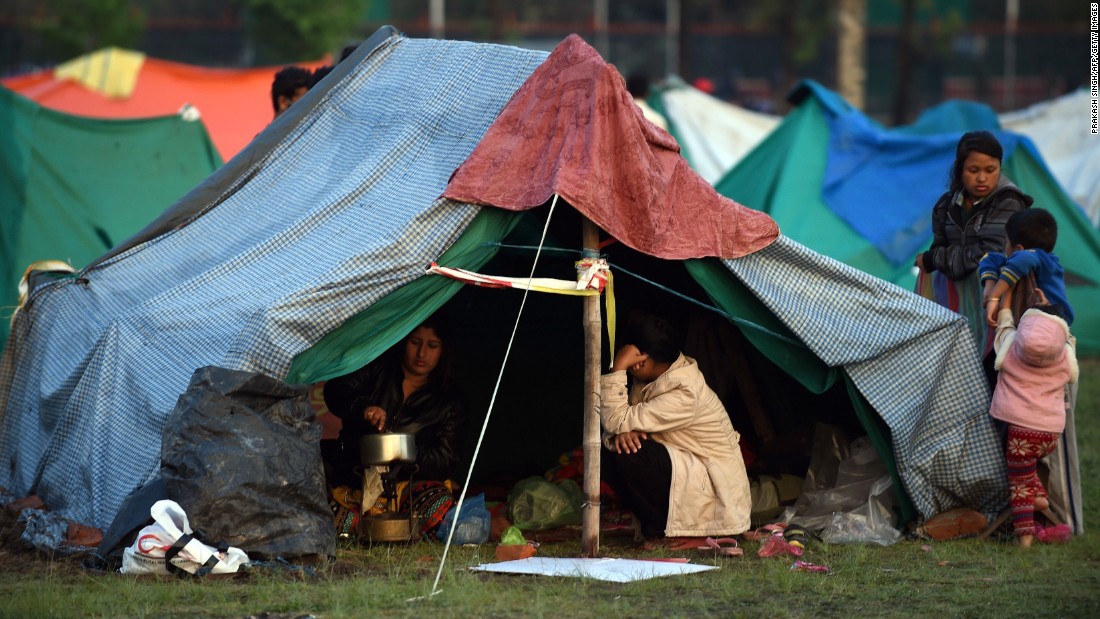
{"x":572,"y":129}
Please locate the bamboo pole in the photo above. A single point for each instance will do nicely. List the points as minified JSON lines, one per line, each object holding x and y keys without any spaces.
{"x":590,"y":515}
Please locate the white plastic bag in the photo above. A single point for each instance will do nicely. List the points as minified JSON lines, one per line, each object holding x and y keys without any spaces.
{"x":871,"y":523}
{"x":859,"y":506}
{"x":167,"y":546}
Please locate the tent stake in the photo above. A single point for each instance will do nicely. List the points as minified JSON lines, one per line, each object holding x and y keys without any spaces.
{"x":590,"y":516}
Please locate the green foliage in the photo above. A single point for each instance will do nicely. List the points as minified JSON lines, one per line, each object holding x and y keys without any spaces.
{"x":292,"y":30}
{"x":966,"y":578}
{"x":69,"y":28}
{"x":804,"y":25}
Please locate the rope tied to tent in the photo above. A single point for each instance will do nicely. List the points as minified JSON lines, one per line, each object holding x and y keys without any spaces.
{"x":594,"y":277}
{"x":728,"y":316}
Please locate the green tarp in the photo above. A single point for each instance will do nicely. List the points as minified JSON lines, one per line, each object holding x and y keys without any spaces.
{"x":362,"y":338}
{"x":72,"y":187}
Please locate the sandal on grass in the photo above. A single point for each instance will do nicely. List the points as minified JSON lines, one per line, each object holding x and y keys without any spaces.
{"x":674,"y":543}
{"x":723,"y":546}
{"x":763,"y":532}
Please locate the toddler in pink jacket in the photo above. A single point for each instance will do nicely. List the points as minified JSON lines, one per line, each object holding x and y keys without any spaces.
{"x":1036,"y":359}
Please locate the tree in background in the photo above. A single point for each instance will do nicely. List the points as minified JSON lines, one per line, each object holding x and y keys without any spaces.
{"x":803,"y":26}
{"x":64,"y":29}
{"x":926,"y":40}
{"x":290,"y":30}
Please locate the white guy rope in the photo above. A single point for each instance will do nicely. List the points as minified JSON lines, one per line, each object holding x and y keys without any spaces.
{"x":492,"y":401}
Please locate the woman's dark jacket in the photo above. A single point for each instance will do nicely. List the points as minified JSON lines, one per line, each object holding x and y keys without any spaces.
{"x":959,"y":242}
{"x":434,"y":413}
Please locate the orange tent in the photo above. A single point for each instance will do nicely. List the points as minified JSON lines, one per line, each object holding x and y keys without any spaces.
{"x":234,"y":104}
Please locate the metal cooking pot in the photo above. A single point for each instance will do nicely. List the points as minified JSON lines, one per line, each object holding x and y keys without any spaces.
{"x":387,"y":528}
{"x":387,"y":447}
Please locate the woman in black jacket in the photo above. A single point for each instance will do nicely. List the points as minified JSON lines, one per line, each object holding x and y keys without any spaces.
{"x":967,"y":222}
{"x":408,"y":389}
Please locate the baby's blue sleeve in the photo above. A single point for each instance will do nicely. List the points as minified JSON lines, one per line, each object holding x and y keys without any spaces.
{"x":990,"y":266}
{"x":1018,"y":265}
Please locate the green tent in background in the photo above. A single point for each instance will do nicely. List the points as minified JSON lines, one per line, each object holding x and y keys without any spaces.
{"x":72,"y":187}
{"x":877,"y":216}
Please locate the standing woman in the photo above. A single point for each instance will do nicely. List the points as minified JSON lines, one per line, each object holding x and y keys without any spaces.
{"x":407,"y":390}
{"x":967,"y":222}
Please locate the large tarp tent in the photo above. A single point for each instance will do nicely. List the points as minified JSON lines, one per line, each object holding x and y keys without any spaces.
{"x":305,"y":257}
{"x":235,"y":104}
{"x":713,"y":134}
{"x":71,"y":188}
{"x":843,"y":185}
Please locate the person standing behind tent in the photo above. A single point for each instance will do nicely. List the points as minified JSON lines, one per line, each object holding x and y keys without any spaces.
{"x":672,"y":454}
{"x":1036,"y":360}
{"x":408,"y":390}
{"x":290,"y":84}
{"x":968,"y":222}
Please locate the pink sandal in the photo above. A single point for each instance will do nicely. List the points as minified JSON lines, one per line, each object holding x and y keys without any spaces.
{"x":723,"y":546}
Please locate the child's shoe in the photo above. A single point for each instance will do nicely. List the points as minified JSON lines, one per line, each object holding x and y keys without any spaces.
{"x":795,"y":535}
{"x":953,"y":523}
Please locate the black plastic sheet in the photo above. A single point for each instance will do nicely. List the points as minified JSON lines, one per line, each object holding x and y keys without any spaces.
{"x":241,"y":454}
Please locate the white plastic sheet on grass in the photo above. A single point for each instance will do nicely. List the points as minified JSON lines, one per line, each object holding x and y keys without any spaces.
{"x":610,"y":570}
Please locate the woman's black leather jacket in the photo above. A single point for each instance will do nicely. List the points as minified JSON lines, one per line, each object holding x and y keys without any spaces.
{"x":434,"y":413}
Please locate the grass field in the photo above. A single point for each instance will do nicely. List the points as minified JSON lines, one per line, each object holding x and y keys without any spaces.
{"x":962,"y":578}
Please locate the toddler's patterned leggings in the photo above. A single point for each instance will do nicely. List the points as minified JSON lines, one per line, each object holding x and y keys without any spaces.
{"x":1023,"y":450}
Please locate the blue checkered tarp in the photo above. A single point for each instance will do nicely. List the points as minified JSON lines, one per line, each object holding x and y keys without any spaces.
{"x":327,"y":211}
{"x":913,"y":361}
{"x":336,"y":205}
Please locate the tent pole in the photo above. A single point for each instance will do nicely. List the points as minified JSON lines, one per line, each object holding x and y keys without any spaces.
{"x":590,"y":516}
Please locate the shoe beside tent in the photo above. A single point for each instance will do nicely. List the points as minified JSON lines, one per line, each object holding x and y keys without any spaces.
{"x":843,"y":185}
{"x":73,"y":187}
{"x":306,"y":257}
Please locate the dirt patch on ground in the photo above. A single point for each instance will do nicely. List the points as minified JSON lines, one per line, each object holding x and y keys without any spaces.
{"x":32,"y":564}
